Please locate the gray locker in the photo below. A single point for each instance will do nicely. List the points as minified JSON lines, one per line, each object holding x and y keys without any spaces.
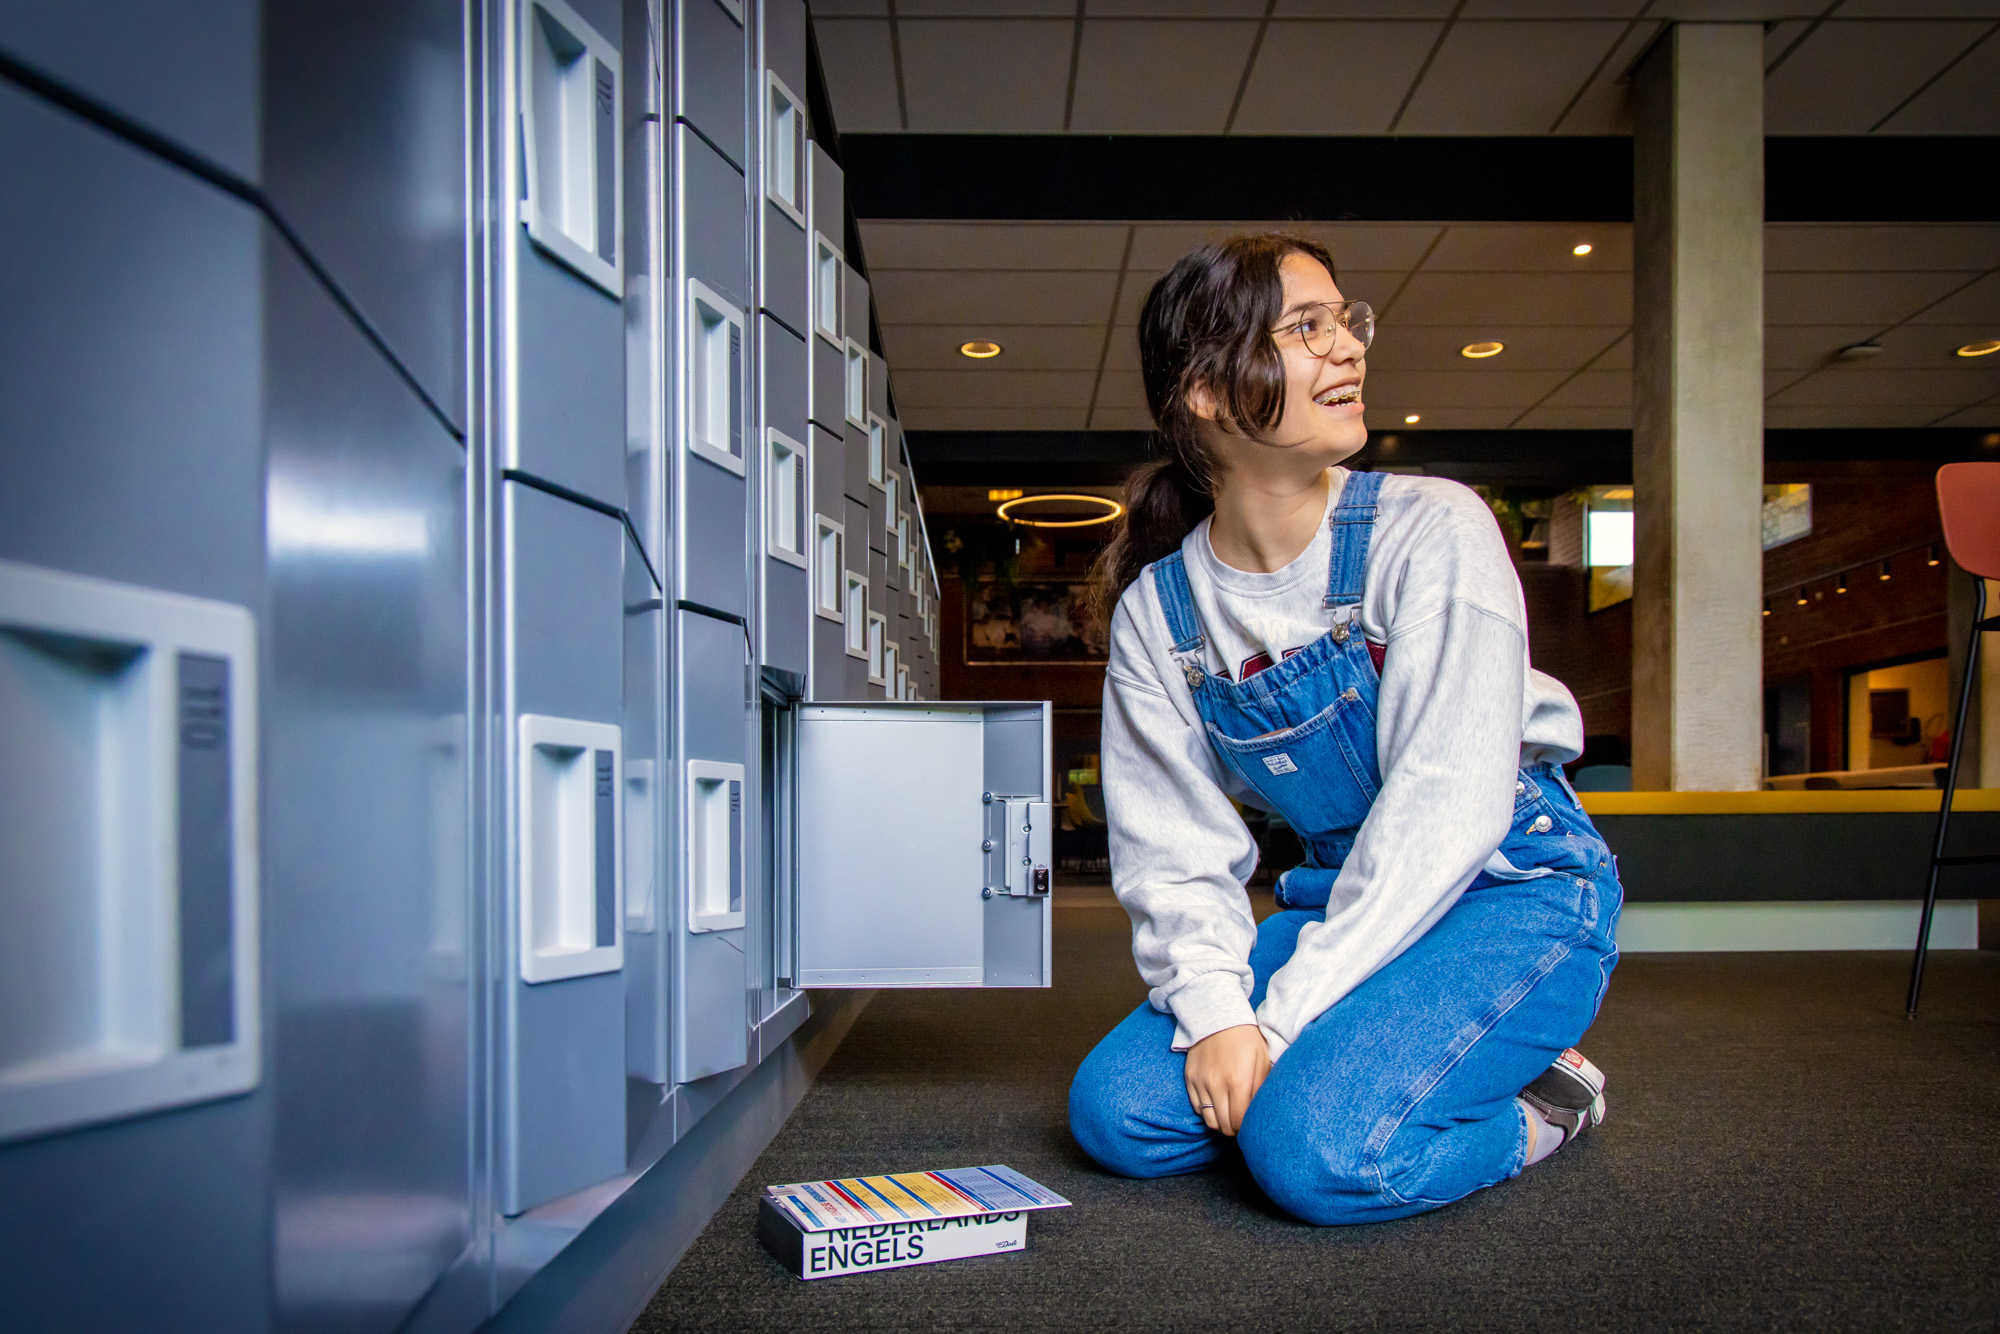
{"x":829,"y":382}
{"x":714,"y":412}
{"x":878,"y":391}
{"x":879,"y":500}
{"x":829,"y":489}
{"x":784,"y":163}
{"x":131,"y":449}
{"x":961,"y":896}
{"x":569,"y":327}
{"x":856,"y":470}
{"x":562,"y":1067}
{"x":784,"y":478}
{"x":647,"y":799}
{"x":711,"y":853}
{"x":829,"y":202}
{"x":856,"y":312}
{"x":783,"y":282}
{"x":712,"y":62}
{"x":714,"y":234}
{"x":369,"y":899}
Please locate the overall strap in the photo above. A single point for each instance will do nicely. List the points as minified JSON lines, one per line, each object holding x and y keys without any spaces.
{"x":1177,"y":601}
{"x":1352,"y":523}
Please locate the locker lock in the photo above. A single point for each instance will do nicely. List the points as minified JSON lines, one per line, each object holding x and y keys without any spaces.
{"x":1018,"y":846}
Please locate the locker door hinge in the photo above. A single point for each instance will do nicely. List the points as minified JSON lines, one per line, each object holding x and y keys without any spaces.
{"x":1017,"y":848}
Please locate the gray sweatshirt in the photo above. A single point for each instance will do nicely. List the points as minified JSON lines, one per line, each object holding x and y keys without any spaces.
{"x":1459,"y":711}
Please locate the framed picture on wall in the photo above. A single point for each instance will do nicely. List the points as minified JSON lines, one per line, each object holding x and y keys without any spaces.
{"x":1031,"y":622}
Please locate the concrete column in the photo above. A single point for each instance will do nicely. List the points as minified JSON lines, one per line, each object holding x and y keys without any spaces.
{"x":1698,"y":410}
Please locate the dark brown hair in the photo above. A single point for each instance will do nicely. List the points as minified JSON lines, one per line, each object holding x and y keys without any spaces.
{"x":1206,"y":322}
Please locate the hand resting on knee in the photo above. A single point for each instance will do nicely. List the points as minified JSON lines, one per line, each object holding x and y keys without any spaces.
{"x":1224,"y":1072}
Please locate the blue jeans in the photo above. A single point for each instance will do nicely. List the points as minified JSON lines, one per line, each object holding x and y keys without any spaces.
{"x":1400,"y":1096}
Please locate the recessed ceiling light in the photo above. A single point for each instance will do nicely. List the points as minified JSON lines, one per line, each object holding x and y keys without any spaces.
{"x":1111,"y":510}
{"x":1858,"y":352}
{"x":979,"y":349}
{"x":1981,"y":348}
{"x":1580,"y":248}
{"x":1412,"y":419}
{"x":1480,"y":351}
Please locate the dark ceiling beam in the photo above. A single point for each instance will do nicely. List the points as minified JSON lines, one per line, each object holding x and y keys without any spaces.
{"x":1551,"y":460}
{"x":1548,"y":178}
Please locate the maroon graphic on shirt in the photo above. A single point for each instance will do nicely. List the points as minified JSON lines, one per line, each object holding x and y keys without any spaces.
{"x":1258,"y":662}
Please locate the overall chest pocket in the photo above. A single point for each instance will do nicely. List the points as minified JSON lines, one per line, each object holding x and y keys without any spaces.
{"x":1321,"y":775}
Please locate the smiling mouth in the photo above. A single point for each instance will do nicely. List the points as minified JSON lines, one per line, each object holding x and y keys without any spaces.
{"x":1339,"y":394}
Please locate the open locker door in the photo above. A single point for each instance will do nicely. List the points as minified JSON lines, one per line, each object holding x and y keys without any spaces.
{"x":923,"y":837}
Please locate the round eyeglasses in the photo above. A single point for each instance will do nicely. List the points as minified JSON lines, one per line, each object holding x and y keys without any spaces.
{"x":1317,"y":325}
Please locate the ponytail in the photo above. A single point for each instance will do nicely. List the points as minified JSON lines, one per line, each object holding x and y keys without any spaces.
{"x":1206,"y":323}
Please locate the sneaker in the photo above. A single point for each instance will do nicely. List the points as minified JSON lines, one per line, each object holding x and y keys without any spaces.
{"x":1569,"y":1094}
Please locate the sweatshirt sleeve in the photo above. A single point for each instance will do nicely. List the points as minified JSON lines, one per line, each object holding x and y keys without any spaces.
{"x":1180,"y":853}
{"x":1448,"y":734}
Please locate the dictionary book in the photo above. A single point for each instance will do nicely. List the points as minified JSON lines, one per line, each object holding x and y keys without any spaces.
{"x":855,"y":1225}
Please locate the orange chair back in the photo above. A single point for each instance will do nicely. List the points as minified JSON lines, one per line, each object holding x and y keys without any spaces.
{"x":1969,"y":504}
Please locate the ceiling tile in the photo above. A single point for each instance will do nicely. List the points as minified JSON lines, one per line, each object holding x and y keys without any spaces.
{"x":1978,"y":304}
{"x":1034,"y":347}
{"x":1605,"y":104}
{"x":1804,"y":347}
{"x":1962,"y":102}
{"x":1921,"y":9}
{"x":1847,"y":76}
{"x":1551,"y":9}
{"x":1374,"y":288}
{"x":1594,"y":389}
{"x":1120,"y":419}
{"x":1121,"y":389}
{"x":986,"y":9}
{"x":1154,"y":9}
{"x":1158,"y":77}
{"x":1515,"y":298}
{"x":1853,"y":298}
{"x":985,"y":74}
{"x":1890,"y":417}
{"x":1506,"y":78}
{"x":1979,"y":414}
{"x":1528,"y":347}
{"x":913,"y":296}
{"x":1840,"y":386}
{"x":1737,"y":11}
{"x":1421,"y":391}
{"x":1365,"y":9}
{"x":850,"y":9}
{"x":1838,"y":247}
{"x":1576,"y":419}
{"x":1122,"y":353}
{"x":1354,"y":245}
{"x":1379,"y":420}
{"x":860,"y":73}
{"x":1618,"y":357}
{"x":1523,"y":247}
{"x":993,"y":245}
{"x":983,"y":388}
{"x":1332,"y":78}
{"x":994,"y":419}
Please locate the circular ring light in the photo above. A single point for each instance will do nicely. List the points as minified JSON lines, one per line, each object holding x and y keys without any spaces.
{"x":1112,"y":510}
{"x":1480,"y":351}
{"x":979,"y":349}
{"x":1980,"y":349}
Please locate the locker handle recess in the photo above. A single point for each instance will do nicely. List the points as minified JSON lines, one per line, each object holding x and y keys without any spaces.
{"x":856,"y":614}
{"x":715,"y":845}
{"x":785,"y":474}
{"x":571,"y":149}
{"x":715,"y":378}
{"x":128,"y":851}
{"x":785,"y":148}
{"x":829,"y":568}
{"x":570,"y":899}
{"x":857,"y":404}
{"x":829,"y":290}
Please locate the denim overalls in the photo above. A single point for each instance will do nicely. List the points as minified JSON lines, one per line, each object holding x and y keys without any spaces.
{"x":1399,"y":1097}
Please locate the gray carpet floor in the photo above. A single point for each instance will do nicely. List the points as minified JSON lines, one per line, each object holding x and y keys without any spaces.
{"x":1784,"y":1151}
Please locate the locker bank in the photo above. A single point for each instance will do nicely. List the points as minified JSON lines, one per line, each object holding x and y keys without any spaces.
{"x":467,"y":647}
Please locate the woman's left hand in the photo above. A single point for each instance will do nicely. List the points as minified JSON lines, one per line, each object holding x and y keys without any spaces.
{"x":1224,"y":1072}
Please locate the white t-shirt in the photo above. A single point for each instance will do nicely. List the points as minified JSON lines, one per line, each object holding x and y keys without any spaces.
{"x":1458,"y":712}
